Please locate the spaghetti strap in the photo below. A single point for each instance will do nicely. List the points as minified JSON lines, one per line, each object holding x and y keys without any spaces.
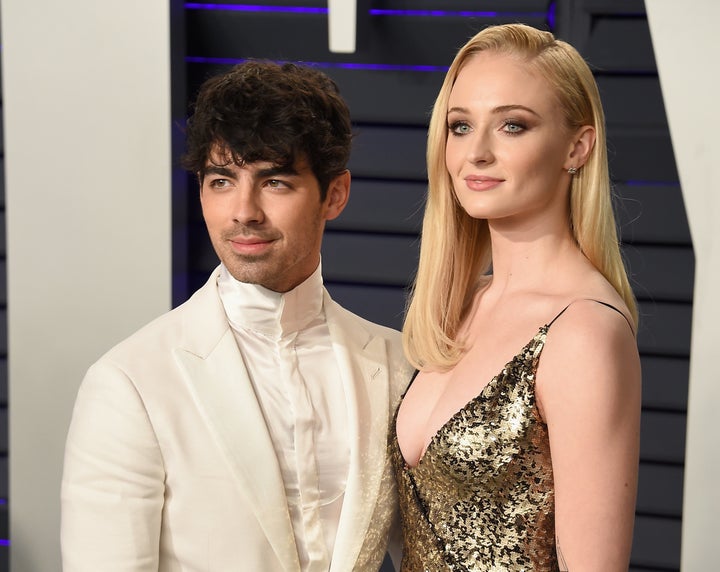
{"x":414,"y":375}
{"x":559,"y":314}
{"x":632,"y":329}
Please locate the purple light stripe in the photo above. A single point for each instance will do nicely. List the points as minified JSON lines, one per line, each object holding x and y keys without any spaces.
{"x":462,"y":13}
{"x":551,"y":14}
{"x":434,"y":13}
{"x":344,"y":65}
{"x":255,"y":8}
{"x":649,"y":183}
{"x":4,"y":542}
{"x":373,"y":12}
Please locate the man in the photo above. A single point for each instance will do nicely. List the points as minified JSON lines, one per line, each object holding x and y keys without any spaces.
{"x":247,"y":428}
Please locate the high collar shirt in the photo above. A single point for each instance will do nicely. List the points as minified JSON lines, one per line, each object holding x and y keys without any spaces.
{"x":286,"y":347}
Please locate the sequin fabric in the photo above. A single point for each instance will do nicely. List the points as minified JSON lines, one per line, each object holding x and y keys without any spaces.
{"x":481,"y":498}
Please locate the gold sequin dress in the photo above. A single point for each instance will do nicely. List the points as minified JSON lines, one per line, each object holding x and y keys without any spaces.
{"x":481,"y":498}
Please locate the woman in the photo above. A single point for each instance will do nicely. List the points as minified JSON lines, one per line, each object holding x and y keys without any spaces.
{"x":517,"y":443}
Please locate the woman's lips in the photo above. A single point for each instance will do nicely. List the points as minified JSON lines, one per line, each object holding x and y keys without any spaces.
{"x":481,"y":183}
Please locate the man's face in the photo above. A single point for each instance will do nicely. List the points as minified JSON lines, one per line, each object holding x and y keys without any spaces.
{"x":266,"y":222}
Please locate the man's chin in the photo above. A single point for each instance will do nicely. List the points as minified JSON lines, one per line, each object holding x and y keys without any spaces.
{"x":256,"y":272}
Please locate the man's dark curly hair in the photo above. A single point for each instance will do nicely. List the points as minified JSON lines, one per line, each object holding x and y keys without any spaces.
{"x":263,"y":111}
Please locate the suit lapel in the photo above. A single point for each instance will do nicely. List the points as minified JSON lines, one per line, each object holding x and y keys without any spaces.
{"x":217,"y":376}
{"x":362,"y":359}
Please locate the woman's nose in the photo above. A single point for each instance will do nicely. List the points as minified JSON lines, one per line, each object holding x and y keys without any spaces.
{"x":480,"y":148}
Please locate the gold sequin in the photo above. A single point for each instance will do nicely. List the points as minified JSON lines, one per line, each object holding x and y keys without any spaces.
{"x":481,"y":498}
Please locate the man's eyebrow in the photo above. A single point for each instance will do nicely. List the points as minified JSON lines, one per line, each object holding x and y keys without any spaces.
{"x":271,"y":171}
{"x":276,"y":170}
{"x":218,"y":170}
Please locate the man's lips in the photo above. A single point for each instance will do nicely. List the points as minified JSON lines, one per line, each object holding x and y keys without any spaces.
{"x":481,"y":182}
{"x":250,"y":244}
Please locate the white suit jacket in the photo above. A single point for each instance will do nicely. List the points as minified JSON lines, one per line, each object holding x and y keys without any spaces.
{"x":169,"y":465}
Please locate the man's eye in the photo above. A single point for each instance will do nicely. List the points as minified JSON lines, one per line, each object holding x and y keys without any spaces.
{"x":219,"y":183}
{"x":276,"y":184}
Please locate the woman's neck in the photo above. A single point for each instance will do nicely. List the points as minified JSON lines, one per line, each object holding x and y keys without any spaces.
{"x":532,"y":261}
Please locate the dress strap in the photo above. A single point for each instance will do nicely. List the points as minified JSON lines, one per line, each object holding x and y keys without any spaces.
{"x":632,"y":329}
{"x":414,"y":375}
{"x":551,"y":322}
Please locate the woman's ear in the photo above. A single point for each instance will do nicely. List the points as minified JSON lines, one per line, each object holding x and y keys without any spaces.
{"x":582,"y":145}
{"x":337,"y":195}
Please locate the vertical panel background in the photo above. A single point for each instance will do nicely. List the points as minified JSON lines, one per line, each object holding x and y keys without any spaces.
{"x":370,"y":252}
{"x":4,"y":485}
{"x":685,"y":42}
{"x":58,"y":287}
{"x":87,"y":162}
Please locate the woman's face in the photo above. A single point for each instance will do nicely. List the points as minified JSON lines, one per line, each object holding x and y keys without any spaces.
{"x":508,"y":149}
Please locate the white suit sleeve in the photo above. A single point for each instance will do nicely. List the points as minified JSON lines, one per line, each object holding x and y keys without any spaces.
{"x":113,"y":479}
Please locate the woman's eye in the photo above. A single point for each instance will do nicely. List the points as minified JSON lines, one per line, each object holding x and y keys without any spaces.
{"x":459,"y":128}
{"x":513,"y":127}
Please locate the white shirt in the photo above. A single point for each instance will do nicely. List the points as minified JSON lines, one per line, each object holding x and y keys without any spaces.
{"x":285,"y":344}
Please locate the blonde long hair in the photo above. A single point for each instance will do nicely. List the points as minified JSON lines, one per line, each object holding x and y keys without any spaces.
{"x":455,"y":249}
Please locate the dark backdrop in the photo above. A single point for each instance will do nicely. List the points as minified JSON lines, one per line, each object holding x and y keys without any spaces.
{"x":370,"y":252}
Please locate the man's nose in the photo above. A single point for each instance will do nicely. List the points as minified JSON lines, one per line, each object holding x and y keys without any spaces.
{"x":247,"y":208}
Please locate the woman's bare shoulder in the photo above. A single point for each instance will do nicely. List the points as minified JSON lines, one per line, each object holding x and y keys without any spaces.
{"x":589,"y":350}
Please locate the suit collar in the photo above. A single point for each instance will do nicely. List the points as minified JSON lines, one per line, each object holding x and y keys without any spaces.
{"x":216,"y":374}
{"x":204,"y":322}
